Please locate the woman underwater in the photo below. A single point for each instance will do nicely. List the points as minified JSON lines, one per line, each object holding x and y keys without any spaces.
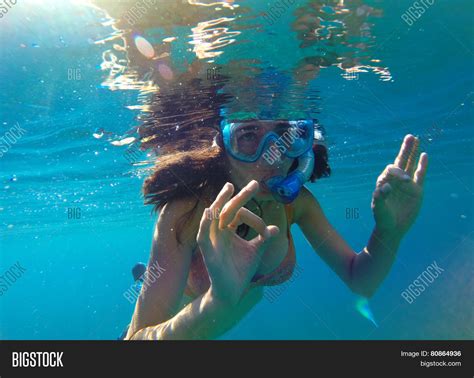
{"x":228,"y":188}
{"x":223,"y":230}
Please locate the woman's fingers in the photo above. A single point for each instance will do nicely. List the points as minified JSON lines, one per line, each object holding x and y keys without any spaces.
{"x":204,"y":228}
{"x":405,"y":152}
{"x":390,"y":174}
{"x":224,"y":195}
{"x":379,"y":196}
{"x":421,"y":170}
{"x":412,"y":158}
{"x":395,"y":180}
{"x":264,"y":232}
{"x":382,"y":191}
{"x":231,"y":208}
{"x":269,"y":232}
{"x":211,"y":214}
{"x":246,"y":216}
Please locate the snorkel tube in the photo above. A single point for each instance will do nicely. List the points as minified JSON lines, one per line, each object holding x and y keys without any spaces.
{"x":286,"y":189}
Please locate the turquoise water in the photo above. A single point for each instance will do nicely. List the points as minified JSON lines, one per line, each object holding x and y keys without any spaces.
{"x":78,"y":262}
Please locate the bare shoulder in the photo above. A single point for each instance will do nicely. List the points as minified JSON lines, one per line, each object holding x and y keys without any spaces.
{"x":305,"y":203}
{"x":186,"y":210}
{"x":175,"y":209}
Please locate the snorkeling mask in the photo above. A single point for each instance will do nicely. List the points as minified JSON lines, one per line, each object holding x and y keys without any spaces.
{"x":248,"y":141}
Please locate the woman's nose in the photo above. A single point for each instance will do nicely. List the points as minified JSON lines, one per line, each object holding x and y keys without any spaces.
{"x":273,"y":155}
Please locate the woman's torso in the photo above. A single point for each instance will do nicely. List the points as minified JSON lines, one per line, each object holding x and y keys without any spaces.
{"x":277,"y":262}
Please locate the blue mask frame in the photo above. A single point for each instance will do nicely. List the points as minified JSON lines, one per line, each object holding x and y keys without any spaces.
{"x":292,"y":152}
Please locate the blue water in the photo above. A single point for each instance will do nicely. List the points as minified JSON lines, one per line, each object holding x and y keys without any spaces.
{"x":78,"y":268}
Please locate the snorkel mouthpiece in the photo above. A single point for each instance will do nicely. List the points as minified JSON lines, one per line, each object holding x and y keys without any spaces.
{"x":286,"y":189}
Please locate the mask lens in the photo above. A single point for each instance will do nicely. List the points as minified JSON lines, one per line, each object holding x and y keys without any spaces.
{"x":247,"y":139}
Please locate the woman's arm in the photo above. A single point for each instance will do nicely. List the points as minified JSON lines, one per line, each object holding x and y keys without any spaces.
{"x":157,"y":315}
{"x":396,"y":203}
{"x":362,"y":272}
{"x":230,"y":261}
{"x":204,"y":318}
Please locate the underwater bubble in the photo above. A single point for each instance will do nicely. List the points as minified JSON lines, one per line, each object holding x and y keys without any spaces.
{"x":360,"y":11}
{"x":165,"y":71}
{"x":123,"y":141}
{"x":318,"y":135}
{"x":145,"y":47}
{"x":362,"y":305}
{"x":98,"y":133}
{"x":169,"y":39}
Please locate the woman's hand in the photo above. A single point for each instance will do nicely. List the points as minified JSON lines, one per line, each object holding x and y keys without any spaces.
{"x":230,"y":260}
{"x":398,"y":195}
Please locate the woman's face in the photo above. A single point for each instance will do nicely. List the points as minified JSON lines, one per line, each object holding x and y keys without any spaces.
{"x":242,"y":173}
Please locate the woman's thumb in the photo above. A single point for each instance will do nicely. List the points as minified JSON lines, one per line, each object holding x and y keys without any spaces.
{"x":271,"y":232}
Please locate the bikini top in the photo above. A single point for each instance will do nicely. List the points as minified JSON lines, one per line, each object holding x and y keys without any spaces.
{"x":198,"y":280}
